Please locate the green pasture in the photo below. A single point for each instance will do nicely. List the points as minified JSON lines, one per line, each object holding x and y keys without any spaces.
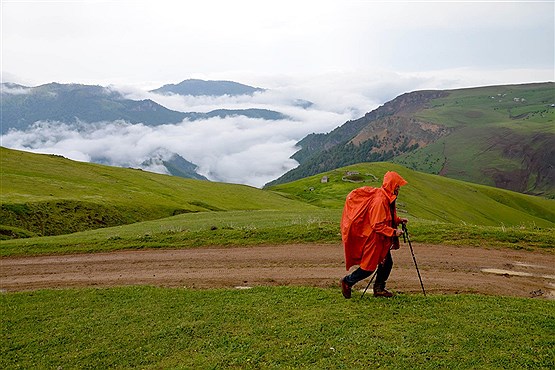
{"x":51,"y":195}
{"x":429,"y":197}
{"x":31,"y":178}
{"x":496,"y":105}
{"x":251,"y":228}
{"x":201,"y":213}
{"x":494,"y":129}
{"x":271,"y":328}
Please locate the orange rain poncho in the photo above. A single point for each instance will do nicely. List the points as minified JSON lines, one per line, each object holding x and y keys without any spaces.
{"x":366,"y":225}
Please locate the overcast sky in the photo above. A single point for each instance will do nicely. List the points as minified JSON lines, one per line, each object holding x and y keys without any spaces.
{"x":164,"y":41}
{"x":348,"y":57}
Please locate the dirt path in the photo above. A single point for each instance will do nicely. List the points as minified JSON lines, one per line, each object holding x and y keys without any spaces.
{"x":444,"y":269}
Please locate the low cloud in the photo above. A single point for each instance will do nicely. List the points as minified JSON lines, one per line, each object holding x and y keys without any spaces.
{"x":236,"y":150}
{"x":6,"y":89}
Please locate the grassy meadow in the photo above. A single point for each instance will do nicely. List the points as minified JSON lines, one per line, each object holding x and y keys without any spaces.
{"x":271,"y":328}
{"x":264,"y":327}
{"x":440,"y":210}
{"x":50,"y":195}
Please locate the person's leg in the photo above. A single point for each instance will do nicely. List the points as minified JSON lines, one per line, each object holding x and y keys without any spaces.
{"x":356,"y":276}
{"x":348,"y":281}
{"x":382,"y":275}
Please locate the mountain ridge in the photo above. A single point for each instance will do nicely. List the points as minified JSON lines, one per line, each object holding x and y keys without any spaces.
{"x":506,"y":132}
{"x":81,"y":105}
{"x":22,"y":106}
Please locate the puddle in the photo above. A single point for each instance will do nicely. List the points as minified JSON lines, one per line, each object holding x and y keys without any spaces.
{"x":507,"y":272}
{"x":516,"y":273}
{"x":523,"y":264}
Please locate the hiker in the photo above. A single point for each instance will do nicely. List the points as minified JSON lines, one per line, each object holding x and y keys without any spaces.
{"x":369,"y":231}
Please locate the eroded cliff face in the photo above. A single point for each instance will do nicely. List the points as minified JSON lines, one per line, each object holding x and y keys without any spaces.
{"x":399,"y":133}
{"x":536,"y":156}
{"x":409,"y":103}
{"x":402,"y":106}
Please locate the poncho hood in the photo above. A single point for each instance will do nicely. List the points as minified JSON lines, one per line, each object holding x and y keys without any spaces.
{"x":391,"y":180}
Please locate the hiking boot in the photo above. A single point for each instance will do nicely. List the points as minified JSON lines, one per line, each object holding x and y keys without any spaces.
{"x":345,"y":289}
{"x":380,"y":291}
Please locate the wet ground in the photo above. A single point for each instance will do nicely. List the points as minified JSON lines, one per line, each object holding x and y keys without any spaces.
{"x":444,"y":269}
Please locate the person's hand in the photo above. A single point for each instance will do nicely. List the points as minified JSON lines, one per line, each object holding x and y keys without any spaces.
{"x":404,"y":220}
{"x":398,"y":232}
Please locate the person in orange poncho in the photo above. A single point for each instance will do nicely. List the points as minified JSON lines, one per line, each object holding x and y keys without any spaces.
{"x":369,"y":231}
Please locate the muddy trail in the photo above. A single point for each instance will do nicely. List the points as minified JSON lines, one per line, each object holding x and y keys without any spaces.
{"x":444,"y":269}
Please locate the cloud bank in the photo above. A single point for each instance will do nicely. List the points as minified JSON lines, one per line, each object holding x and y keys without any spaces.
{"x":240,"y":149}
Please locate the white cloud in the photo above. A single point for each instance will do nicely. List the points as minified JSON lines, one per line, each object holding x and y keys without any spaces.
{"x":15,"y":90}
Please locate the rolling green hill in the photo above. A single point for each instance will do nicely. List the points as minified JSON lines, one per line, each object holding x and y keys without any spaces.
{"x":50,"y":195}
{"x":427,"y":197}
{"x":501,"y":136}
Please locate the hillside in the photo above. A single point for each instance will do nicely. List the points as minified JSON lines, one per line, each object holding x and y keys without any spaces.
{"x":50,"y":195}
{"x":427,"y":197}
{"x":502,"y":136}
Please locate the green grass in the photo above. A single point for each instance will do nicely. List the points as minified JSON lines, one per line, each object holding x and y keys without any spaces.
{"x":279,"y":327}
{"x":494,"y":105}
{"x":251,"y":228}
{"x":233,"y":228}
{"x":442,"y":211}
{"x":430,"y":197}
{"x":51,"y":195}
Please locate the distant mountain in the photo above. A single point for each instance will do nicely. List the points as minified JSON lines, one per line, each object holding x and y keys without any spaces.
{"x":22,"y":106}
{"x":175,"y":164}
{"x":502,"y":136}
{"x":250,"y":113}
{"x":211,"y":88}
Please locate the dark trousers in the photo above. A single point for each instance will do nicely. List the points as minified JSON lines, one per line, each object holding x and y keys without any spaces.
{"x":381,"y":275}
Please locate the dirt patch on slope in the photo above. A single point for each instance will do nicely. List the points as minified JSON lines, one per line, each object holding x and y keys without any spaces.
{"x":444,"y":269}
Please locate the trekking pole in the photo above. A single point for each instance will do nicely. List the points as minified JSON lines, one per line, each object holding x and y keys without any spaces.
{"x":405,"y":231}
{"x":372,"y":278}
